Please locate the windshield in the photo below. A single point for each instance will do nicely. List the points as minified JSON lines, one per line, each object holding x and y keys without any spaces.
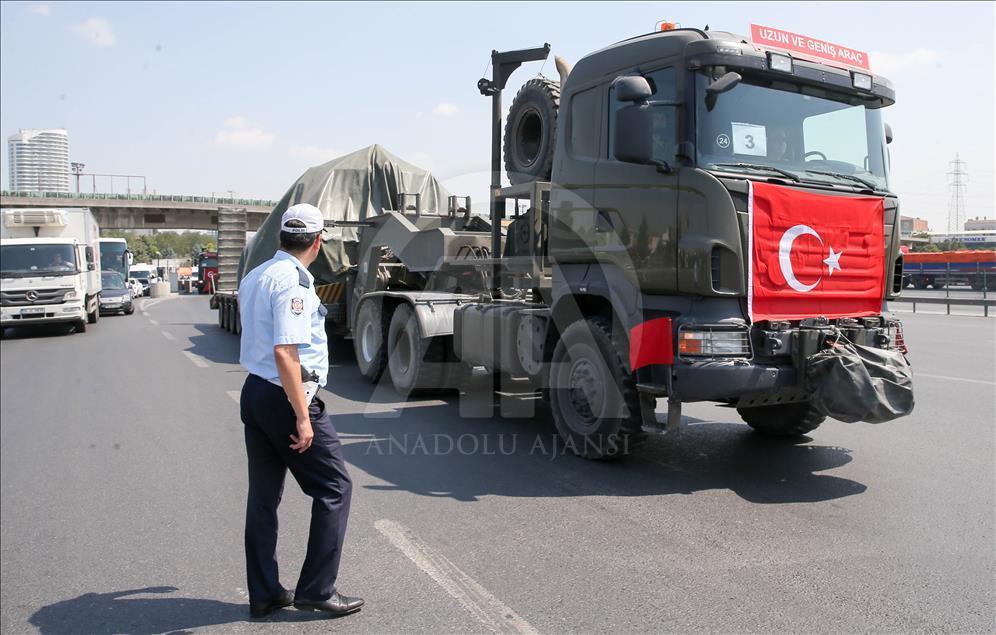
{"x":806,"y":131}
{"x":113,"y":256}
{"x":37,"y":260}
{"x":111,"y":280}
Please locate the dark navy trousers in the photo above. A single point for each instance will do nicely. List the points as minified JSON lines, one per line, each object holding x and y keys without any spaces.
{"x":320,"y":472}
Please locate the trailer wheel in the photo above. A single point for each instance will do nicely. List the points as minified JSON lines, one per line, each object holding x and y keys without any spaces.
{"x":531,"y":131}
{"x":592,"y":393}
{"x":416,"y":364}
{"x":237,"y":321}
{"x":369,"y":340}
{"x":221,"y":315}
{"x":782,"y":420}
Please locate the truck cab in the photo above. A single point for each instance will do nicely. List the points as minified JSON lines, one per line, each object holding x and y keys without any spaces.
{"x":50,"y":268}
{"x":659,"y":141}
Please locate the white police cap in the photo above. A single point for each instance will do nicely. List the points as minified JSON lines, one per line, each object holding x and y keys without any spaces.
{"x":310,"y":215}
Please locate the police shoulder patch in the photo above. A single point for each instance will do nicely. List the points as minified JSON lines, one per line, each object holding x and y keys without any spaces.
{"x":297,"y":306}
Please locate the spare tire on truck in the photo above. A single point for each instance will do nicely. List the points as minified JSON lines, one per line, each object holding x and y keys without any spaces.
{"x":531,"y":131}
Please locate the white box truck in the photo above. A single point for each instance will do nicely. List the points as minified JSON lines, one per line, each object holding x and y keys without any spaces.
{"x":49,"y":267}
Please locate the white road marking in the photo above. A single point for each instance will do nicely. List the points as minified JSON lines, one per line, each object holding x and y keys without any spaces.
{"x":475,"y":599}
{"x":151,"y":321}
{"x":169,"y":336}
{"x":196,"y":359}
{"x":235,"y":395}
{"x":965,"y":379}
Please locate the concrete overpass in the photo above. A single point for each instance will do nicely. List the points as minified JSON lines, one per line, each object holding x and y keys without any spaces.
{"x":137,"y":211}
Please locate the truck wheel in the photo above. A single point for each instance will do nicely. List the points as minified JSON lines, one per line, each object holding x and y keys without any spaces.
{"x":592,"y":393}
{"x":416,"y":364}
{"x":531,"y":131}
{"x":221,"y":315}
{"x":94,"y":315}
{"x":236,"y":321}
{"x":80,"y":326}
{"x":782,"y":420}
{"x":368,"y":341}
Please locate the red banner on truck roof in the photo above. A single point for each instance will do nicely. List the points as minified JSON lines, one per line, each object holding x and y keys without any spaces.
{"x":807,"y":47}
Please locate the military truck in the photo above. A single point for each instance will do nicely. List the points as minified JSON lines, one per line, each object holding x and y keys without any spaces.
{"x":640,"y":269}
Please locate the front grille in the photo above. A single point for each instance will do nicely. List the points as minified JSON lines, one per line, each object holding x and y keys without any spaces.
{"x":45,"y":296}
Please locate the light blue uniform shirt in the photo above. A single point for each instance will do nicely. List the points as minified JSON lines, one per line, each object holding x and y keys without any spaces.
{"x":278,"y":305}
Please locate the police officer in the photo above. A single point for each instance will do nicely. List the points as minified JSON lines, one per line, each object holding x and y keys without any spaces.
{"x":284,"y":349}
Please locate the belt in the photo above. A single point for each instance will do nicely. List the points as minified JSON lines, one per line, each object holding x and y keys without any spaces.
{"x":306,"y":376}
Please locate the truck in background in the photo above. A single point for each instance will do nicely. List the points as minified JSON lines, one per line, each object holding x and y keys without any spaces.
{"x":115,"y":256}
{"x":937,"y":269}
{"x":50,"y":267}
{"x":630,"y":274}
{"x":207,"y":271}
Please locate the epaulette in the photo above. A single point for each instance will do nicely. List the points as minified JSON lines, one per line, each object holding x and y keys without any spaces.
{"x":302,"y":278}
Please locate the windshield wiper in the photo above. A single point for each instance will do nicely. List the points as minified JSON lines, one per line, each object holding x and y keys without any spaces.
{"x":845,"y":177}
{"x":758,"y":166}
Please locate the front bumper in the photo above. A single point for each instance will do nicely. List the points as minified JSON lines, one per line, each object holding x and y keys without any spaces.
{"x":123,"y":304}
{"x":771,"y":370}
{"x":42,"y":314}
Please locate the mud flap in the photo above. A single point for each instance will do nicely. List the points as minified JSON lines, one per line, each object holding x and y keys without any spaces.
{"x":850,"y":383}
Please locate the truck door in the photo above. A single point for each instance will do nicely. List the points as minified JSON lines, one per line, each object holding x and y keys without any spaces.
{"x":572,"y":191}
{"x":636,"y":205}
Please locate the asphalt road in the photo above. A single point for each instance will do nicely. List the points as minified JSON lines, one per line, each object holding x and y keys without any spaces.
{"x":123,"y":483}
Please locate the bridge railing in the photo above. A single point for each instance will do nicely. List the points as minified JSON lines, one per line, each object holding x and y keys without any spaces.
{"x":168,"y":198}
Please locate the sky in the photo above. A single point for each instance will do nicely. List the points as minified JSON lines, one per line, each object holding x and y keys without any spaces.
{"x":207,"y":98}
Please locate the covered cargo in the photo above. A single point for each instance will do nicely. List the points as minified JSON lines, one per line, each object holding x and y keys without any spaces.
{"x":350,"y":188}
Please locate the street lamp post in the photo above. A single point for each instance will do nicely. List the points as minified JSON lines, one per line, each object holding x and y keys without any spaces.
{"x":77,"y":170}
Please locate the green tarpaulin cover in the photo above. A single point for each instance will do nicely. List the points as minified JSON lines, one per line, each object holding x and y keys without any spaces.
{"x":351,"y":187}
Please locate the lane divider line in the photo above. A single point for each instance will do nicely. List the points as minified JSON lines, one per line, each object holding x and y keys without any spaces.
{"x":169,"y":336}
{"x":949,"y":378}
{"x":236,"y":395}
{"x":153,"y":322}
{"x":475,"y":599}
{"x":196,"y":359}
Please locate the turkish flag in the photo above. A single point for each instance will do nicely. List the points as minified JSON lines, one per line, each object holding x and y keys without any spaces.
{"x":814,"y":255}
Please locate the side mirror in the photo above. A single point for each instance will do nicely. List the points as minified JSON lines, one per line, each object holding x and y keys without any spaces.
{"x":888,"y":134}
{"x":725,"y":83}
{"x":634,"y":138}
{"x":632,"y":88}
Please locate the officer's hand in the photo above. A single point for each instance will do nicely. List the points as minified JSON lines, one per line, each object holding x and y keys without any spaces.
{"x":302,"y":440}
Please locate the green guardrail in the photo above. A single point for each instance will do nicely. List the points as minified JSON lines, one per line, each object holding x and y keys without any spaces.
{"x":167,"y":198}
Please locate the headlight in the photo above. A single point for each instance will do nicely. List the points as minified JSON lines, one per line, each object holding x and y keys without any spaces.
{"x":713,"y":343}
{"x":72,"y":294}
{"x":862,"y":82}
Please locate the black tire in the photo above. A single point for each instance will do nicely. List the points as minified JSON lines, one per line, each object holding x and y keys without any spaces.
{"x":370,"y":340}
{"x":236,"y":320}
{"x":94,"y":315}
{"x":80,"y":326}
{"x":416,"y":365}
{"x":596,"y":408}
{"x":221,"y":315}
{"x":531,"y":131}
{"x":129,"y":311}
{"x":782,"y":420}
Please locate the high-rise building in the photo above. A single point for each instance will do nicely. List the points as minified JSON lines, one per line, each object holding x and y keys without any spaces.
{"x":39,"y":160}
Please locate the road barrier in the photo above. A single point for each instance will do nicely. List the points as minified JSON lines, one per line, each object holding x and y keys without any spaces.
{"x":985,"y":303}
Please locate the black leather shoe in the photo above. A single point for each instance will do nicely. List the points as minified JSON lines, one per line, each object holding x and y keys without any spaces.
{"x":263,"y":609}
{"x":336,"y":606}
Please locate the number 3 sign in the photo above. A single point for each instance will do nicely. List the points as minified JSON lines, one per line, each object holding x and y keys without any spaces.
{"x":749,"y":139}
